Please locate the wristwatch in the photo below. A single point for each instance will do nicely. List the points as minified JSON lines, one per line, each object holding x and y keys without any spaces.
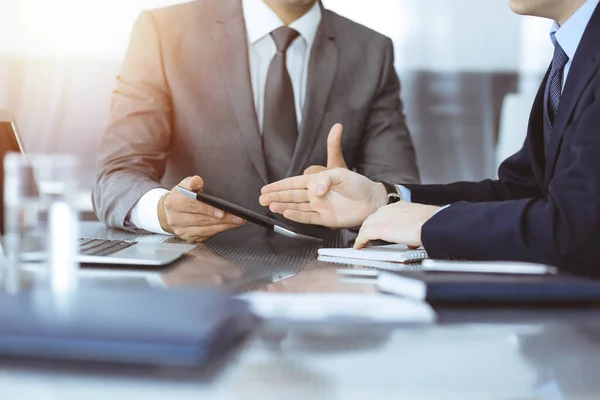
{"x":392,"y":193}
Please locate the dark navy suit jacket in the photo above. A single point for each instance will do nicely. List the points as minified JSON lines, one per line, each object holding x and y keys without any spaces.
{"x":543,"y":208}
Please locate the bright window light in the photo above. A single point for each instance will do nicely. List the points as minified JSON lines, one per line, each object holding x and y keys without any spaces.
{"x":69,"y":28}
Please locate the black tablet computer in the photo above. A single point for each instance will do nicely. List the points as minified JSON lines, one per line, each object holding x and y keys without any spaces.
{"x":249,"y":215}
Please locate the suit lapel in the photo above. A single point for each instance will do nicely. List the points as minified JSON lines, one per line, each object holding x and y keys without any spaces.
{"x":231,"y":44}
{"x":321,"y":75}
{"x":583,"y":68}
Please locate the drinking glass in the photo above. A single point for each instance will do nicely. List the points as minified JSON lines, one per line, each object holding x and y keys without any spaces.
{"x":40,"y":219}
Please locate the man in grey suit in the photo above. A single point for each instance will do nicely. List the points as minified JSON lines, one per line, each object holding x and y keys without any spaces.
{"x":243,"y":93}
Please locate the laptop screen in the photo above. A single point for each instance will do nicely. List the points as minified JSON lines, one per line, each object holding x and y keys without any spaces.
{"x":9,"y":142}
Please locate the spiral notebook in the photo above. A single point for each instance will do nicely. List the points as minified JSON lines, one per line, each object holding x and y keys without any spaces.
{"x":382,"y":257}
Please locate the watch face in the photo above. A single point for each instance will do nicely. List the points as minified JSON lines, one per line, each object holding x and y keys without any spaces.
{"x":393,"y":198}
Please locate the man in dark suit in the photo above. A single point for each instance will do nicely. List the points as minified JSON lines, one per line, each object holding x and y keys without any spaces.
{"x":243,"y":93}
{"x":545,"y":206}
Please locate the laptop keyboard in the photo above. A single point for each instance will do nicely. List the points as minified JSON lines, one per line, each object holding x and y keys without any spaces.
{"x":102,"y":247}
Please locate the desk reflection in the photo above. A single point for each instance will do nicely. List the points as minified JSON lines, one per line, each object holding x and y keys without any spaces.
{"x":254,"y":263}
{"x":566,"y":359}
{"x":244,"y":264}
{"x":249,"y":260}
{"x":319,"y":277}
{"x":203,"y":269}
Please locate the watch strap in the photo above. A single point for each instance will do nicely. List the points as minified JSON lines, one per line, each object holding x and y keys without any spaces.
{"x":392,"y":193}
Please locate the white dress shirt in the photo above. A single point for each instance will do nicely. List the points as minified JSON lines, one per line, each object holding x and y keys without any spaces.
{"x":261,"y":20}
{"x":569,"y":36}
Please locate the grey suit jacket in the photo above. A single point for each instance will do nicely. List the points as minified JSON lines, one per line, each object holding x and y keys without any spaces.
{"x":184,"y":106}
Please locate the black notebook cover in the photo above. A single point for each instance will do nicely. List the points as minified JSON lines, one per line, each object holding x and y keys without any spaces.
{"x":473,"y":288}
{"x":132,"y":326}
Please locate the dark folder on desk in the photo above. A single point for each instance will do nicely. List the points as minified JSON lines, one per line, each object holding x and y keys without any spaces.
{"x":478,"y":288}
{"x":135,"y":327}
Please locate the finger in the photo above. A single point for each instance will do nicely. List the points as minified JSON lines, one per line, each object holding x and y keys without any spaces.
{"x":311,"y":218}
{"x":233,"y":219}
{"x":193,"y":183}
{"x":203,"y":231}
{"x":184,"y":220}
{"x":364,"y":237}
{"x":288,"y":196}
{"x":176,"y":202}
{"x":369,"y":230}
{"x":326,"y":179}
{"x":293,"y":183}
{"x":196,"y":184}
{"x":335,"y":157}
{"x":314,"y":169}
{"x":279,"y":208}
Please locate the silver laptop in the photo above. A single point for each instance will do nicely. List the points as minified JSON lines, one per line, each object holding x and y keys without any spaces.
{"x":91,"y":250}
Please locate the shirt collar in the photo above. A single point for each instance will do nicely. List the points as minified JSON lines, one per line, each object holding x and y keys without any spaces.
{"x":261,"y":20}
{"x":570,"y":33}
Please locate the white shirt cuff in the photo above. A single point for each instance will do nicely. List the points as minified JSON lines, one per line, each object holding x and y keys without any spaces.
{"x":441,"y":209}
{"x":405,"y":193}
{"x":406,"y":196}
{"x":144,"y":214}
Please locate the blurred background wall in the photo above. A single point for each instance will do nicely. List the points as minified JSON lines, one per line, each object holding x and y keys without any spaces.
{"x":469,"y":70}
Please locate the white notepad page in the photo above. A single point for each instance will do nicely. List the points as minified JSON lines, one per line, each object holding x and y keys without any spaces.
{"x":397,"y":253}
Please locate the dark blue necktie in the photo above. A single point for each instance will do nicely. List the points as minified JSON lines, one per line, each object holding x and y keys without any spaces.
{"x":553,"y":91}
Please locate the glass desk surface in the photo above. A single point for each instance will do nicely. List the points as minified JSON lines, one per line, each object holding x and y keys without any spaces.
{"x":471,"y":353}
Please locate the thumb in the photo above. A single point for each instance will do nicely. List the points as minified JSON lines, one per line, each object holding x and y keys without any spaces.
{"x":327,"y":179}
{"x":335,"y":158}
{"x":193,"y":183}
{"x":314,"y":169}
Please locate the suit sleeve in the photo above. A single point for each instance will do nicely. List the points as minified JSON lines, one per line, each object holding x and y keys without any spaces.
{"x":137,"y":140}
{"x":561,"y":228}
{"x":516,"y":181}
{"x":388,"y":153}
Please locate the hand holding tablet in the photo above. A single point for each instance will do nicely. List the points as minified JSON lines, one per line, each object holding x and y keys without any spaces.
{"x":249,"y":215}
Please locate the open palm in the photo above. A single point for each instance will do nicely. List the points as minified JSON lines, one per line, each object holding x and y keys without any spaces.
{"x":350,"y":198}
{"x":331,"y":196}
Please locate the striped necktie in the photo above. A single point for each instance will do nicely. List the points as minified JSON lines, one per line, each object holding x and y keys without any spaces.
{"x":553,"y":91}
